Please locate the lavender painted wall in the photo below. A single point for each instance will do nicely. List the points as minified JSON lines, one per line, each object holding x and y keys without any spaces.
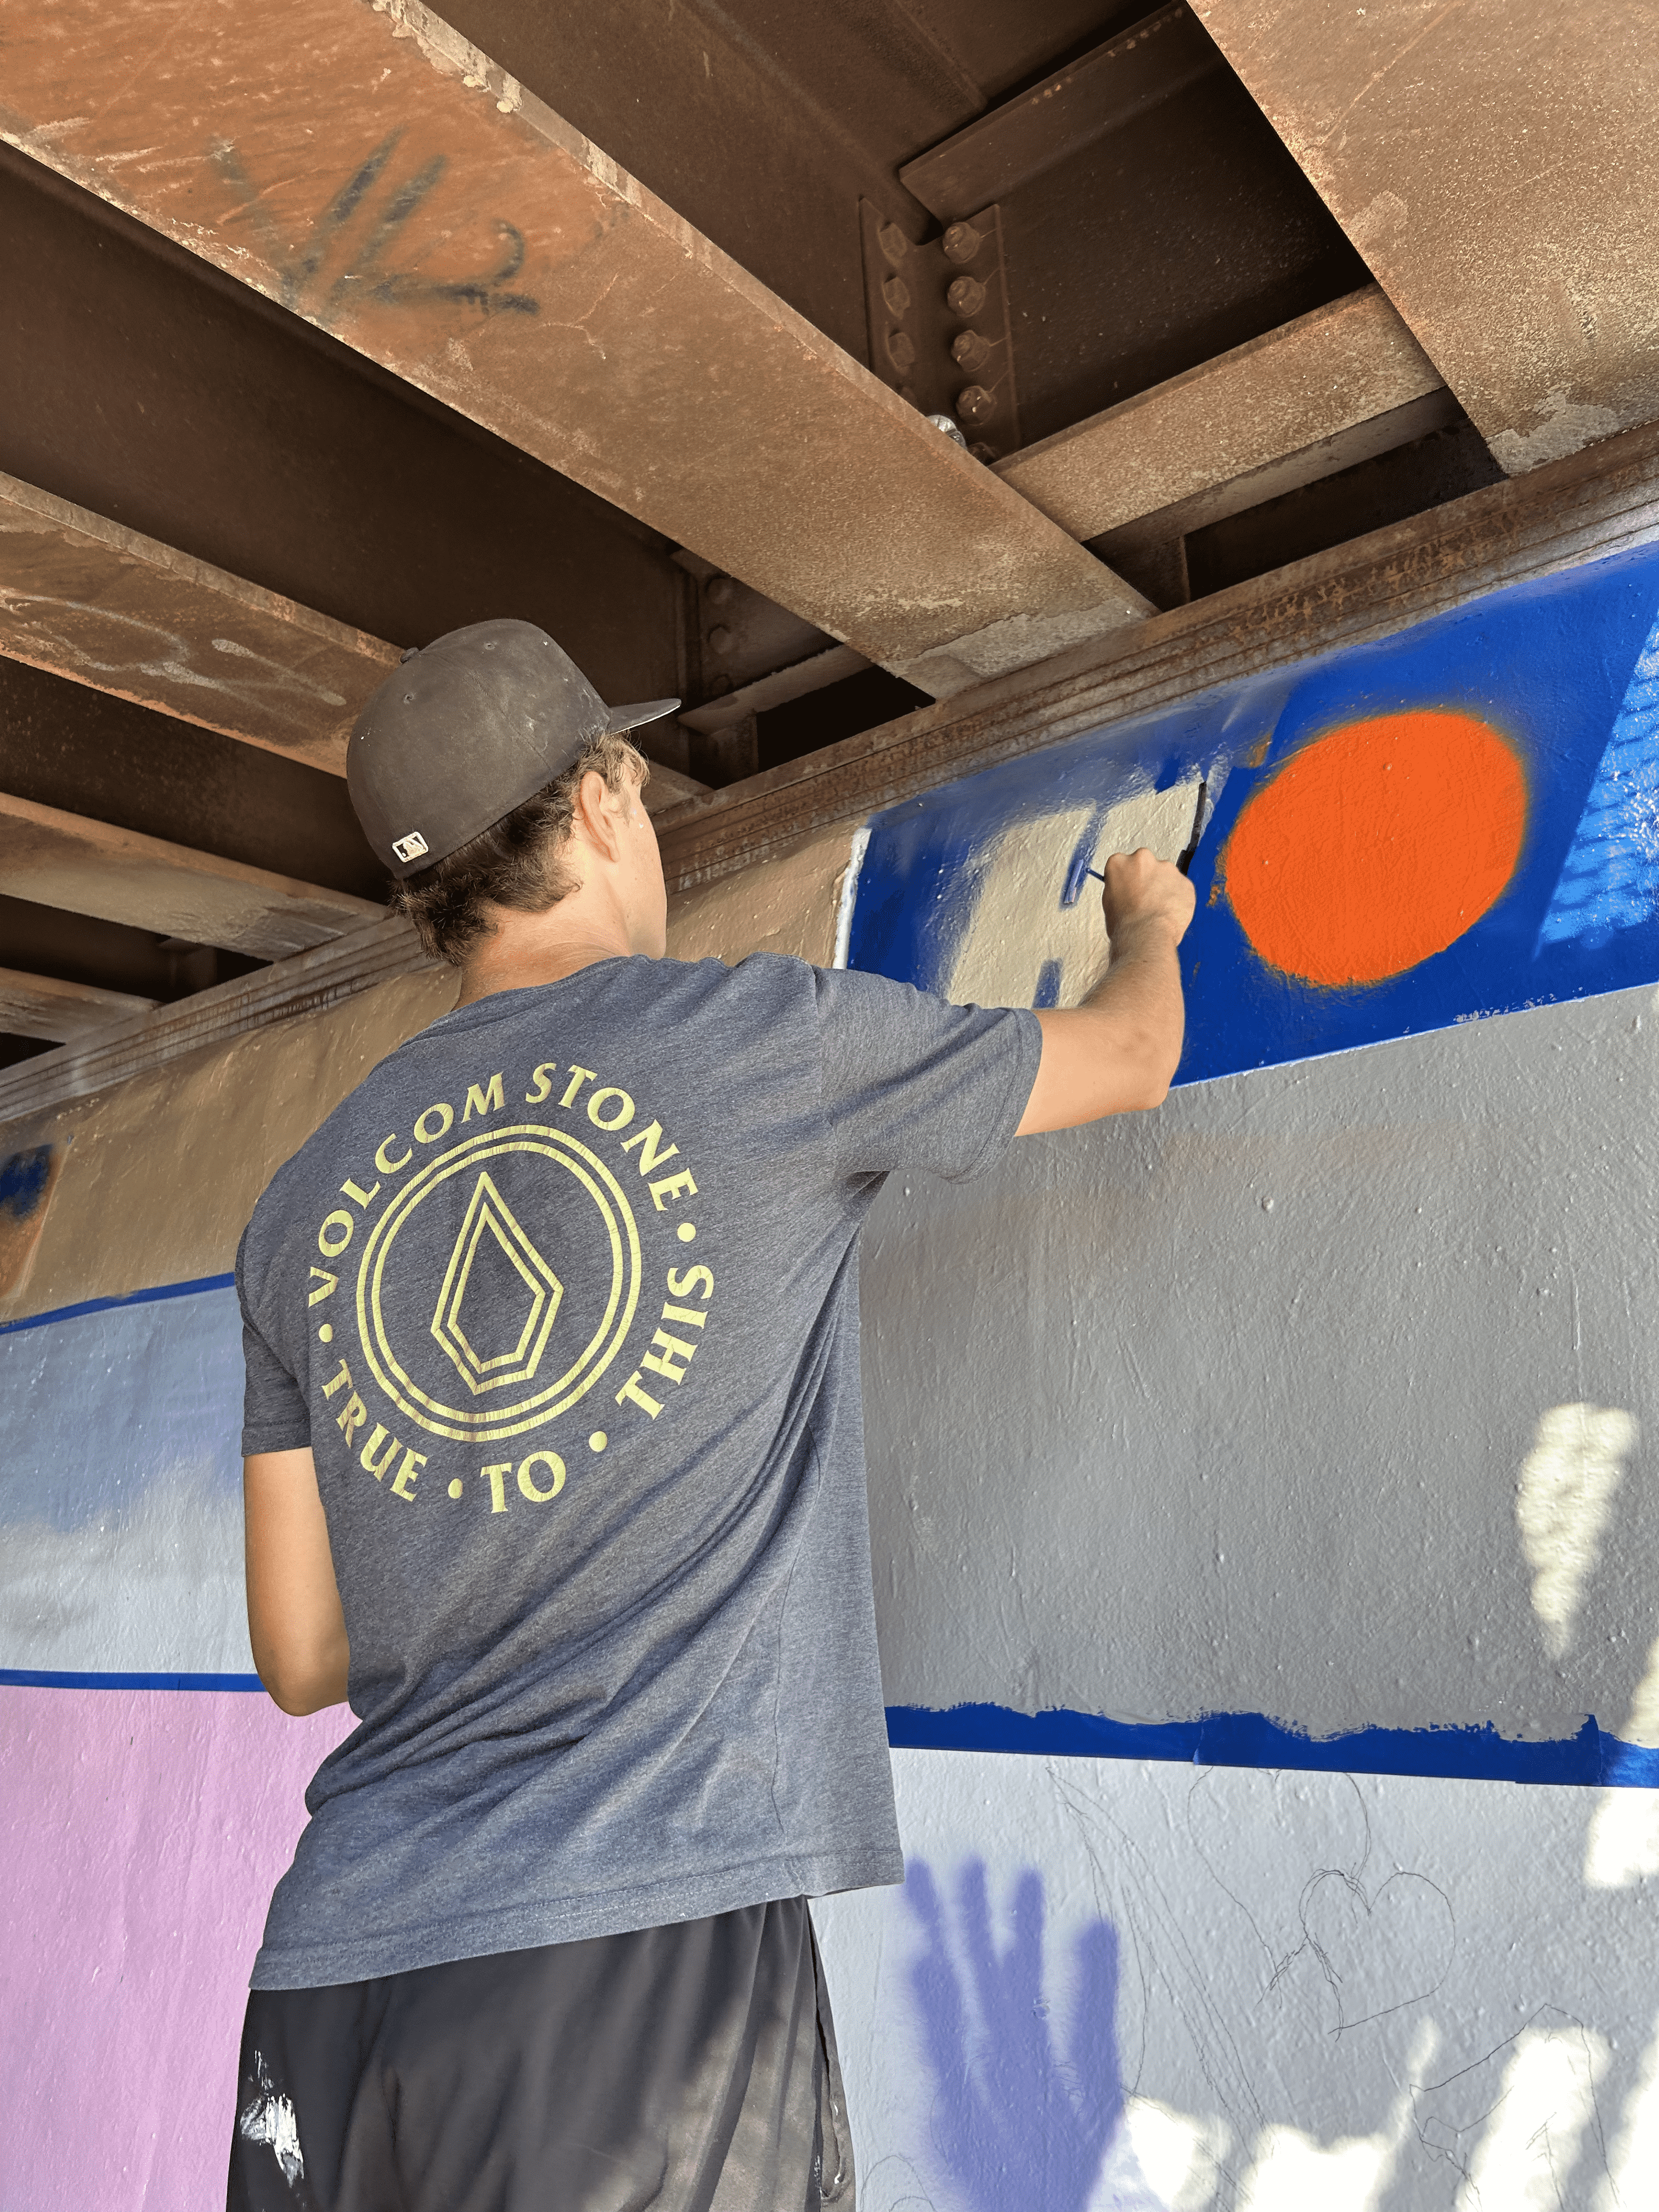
{"x":141,"y":1833}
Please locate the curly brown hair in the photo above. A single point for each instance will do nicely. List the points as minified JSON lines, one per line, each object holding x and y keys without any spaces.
{"x":518,"y":862}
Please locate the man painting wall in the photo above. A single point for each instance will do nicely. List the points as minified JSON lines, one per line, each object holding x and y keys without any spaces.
{"x":554,"y":1470}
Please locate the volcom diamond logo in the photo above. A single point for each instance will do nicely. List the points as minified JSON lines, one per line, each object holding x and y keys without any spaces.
{"x":489,"y":1234}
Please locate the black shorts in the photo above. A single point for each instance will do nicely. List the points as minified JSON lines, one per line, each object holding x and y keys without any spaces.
{"x":687,"y":2068}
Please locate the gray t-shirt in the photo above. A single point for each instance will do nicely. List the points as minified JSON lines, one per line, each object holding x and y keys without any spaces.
{"x":564,"y":1298}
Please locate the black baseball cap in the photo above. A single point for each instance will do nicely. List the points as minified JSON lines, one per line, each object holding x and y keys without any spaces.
{"x":465,"y":729}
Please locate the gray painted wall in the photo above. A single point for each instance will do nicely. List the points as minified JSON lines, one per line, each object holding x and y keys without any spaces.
{"x":1224,"y":1407}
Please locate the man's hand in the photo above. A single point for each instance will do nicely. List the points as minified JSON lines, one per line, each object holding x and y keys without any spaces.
{"x":295,"y":1621}
{"x":1139,"y":887}
{"x":1116,"y":1053}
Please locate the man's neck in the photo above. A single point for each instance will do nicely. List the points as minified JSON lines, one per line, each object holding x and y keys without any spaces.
{"x":522,"y":951}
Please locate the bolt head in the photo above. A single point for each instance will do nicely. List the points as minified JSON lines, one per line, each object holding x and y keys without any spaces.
{"x":897,"y":293}
{"x":984,"y":454}
{"x":966,"y":297}
{"x":962,"y":242}
{"x":718,"y":590}
{"x":893,"y":243}
{"x":901,"y":350}
{"x":976,"y":404}
{"x":968,"y":348}
{"x":719,"y":639}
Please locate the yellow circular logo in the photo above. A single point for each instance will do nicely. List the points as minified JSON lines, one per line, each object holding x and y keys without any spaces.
{"x":506,"y":1310}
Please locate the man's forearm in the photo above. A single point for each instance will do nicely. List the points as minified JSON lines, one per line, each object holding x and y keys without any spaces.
{"x":1116,"y":1053}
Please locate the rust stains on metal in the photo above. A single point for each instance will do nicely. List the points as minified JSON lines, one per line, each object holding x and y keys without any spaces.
{"x":1581,"y":509}
{"x":62,"y":860}
{"x":1311,"y":381}
{"x":371,"y":170}
{"x":1492,"y":160}
{"x":85,"y":598}
{"x":44,"y":1007}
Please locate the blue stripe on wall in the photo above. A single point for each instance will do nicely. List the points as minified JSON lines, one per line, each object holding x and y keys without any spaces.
{"x":1590,"y":1759}
{"x":104,"y":1305}
{"x":30,"y":1678}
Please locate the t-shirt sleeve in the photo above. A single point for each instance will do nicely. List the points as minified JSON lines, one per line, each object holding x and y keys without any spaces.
{"x":275,"y":1416}
{"x":909,"y":1081}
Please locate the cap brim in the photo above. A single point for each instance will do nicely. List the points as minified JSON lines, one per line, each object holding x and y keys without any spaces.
{"x":629,"y":718}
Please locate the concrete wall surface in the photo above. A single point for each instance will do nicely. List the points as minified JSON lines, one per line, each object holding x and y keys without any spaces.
{"x":1109,"y":1984}
{"x":1259,"y":1489}
{"x":1106,"y":1983}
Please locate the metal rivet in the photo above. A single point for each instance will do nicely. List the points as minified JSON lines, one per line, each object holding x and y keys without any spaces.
{"x":718,"y":590}
{"x":719,"y":638}
{"x":409,"y":698}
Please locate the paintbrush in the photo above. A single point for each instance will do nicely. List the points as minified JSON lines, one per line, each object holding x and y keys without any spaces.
{"x":1185,"y":862}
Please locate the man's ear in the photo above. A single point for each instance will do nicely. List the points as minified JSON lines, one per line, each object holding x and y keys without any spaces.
{"x":598,"y":821}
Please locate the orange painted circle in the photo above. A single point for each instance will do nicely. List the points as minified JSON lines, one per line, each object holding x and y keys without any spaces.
{"x":1376,"y":846}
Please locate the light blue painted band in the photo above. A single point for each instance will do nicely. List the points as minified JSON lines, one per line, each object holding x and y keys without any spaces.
{"x":106,"y":1305}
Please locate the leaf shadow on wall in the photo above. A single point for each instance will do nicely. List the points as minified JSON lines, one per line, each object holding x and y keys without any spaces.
{"x":1017,"y":2125}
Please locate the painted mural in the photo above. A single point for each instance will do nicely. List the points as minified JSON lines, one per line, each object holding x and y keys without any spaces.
{"x":1458,"y":822}
{"x":1285,"y":1455}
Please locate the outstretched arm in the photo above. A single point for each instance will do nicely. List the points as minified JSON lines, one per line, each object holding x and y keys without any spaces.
{"x":295,"y":1619}
{"x":1117,"y":1052}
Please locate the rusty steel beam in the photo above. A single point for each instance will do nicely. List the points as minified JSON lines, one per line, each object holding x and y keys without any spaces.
{"x":307,"y":983}
{"x":1101,"y":91}
{"x":1581,"y":510}
{"x":1304,"y":400}
{"x":1492,"y":160}
{"x":367,"y":168}
{"x":61,"y":859}
{"x":1585,"y":508}
{"x":43,"y":1006}
{"x":81,"y":596}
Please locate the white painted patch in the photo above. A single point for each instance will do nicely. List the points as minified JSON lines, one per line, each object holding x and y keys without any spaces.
{"x":1180,"y":2156}
{"x":1019,"y":923}
{"x":849,"y":895}
{"x":1531,"y":2140}
{"x":1630,"y":2180}
{"x":1295,"y":2172}
{"x":1563,"y":1497}
{"x":1622,"y":1844}
{"x":270,"y":2118}
{"x":1622,"y":1847}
